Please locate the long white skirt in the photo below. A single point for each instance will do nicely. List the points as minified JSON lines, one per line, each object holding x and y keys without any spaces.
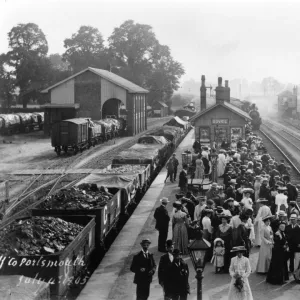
{"x":234,"y":294}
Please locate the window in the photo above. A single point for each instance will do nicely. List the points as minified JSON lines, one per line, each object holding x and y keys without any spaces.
{"x":204,"y":135}
{"x":236,"y":133}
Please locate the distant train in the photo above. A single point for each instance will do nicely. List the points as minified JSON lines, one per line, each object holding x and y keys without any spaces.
{"x":256,"y":119}
{"x":80,"y":133}
{"x":21,"y":122}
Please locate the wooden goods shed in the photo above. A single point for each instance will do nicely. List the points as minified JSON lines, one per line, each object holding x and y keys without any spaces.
{"x":96,"y":93}
{"x":222,"y":121}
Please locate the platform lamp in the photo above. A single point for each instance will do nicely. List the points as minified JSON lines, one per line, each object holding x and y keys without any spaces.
{"x":197,"y":250}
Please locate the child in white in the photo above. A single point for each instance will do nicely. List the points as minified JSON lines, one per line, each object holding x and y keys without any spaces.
{"x":218,"y":255}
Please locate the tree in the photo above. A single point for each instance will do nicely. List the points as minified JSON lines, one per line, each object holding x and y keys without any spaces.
{"x":144,"y":61}
{"x":85,"y":49}
{"x":28,"y":58}
{"x":134,"y":48}
{"x":7,"y":83}
{"x":271,"y":86}
{"x":58,"y":63}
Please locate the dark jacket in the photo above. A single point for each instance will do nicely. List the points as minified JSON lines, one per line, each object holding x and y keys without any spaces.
{"x":162,"y":218}
{"x":293,"y":237}
{"x":179,"y":276}
{"x":292,"y":192}
{"x":139,"y":261}
{"x":265,"y":192}
{"x":183,"y":179}
{"x":164,"y":272}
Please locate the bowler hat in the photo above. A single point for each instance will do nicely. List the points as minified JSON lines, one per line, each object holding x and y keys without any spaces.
{"x":177,"y":204}
{"x":145,"y":241}
{"x":169,"y":243}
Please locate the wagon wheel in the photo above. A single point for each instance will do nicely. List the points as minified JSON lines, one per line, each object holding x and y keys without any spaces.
{"x":58,"y":150}
{"x":65,"y":149}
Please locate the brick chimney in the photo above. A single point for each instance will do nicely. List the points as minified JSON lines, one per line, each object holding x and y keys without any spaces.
{"x":220,"y":91}
{"x":202,"y":94}
{"x":226,"y":92}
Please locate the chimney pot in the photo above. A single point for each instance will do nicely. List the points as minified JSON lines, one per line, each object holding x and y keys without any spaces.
{"x":219,"y":81}
{"x":226,"y":83}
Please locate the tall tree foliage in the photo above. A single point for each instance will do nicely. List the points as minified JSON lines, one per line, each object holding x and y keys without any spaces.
{"x":28,"y":58}
{"x":85,"y":49}
{"x":7,"y":83}
{"x":142,"y":60}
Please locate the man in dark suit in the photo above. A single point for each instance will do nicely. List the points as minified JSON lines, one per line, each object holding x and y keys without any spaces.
{"x":163,"y":270}
{"x":162,"y":223}
{"x":291,"y":191}
{"x":179,"y":276}
{"x":143,"y":266}
{"x":292,"y":230}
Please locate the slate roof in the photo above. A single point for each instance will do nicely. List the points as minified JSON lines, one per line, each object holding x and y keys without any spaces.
{"x":114,"y":78}
{"x":225,"y":104}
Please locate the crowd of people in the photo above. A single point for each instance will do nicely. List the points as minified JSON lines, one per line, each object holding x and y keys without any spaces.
{"x":256,"y":206}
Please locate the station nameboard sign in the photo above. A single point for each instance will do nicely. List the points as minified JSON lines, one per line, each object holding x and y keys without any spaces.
{"x":219,"y":121}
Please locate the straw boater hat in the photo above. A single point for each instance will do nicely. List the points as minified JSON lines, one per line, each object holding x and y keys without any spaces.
{"x":214,"y":184}
{"x":282,"y":213}
{"x":238,"y":249}
{"x":164,"y":200}
{"x":248,"y":190}
{"x":177,"y":204}
{"x":229,"y":199}
{"x":281,"y":188}
{"x":293,"y":217}
{"x":224,"y":216}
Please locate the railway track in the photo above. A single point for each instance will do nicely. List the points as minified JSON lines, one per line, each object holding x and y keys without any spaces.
{"x":276,"y":150}
{"x":72,"y":162}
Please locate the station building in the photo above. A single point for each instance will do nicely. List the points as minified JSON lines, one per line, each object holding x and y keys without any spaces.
{"x":96,"y":93}
{"x":221,"y":121}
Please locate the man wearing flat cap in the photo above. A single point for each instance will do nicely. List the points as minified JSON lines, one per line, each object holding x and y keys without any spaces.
{"x":143,"y":266}
{"x":162,"y":223}
{"x":164,"y":266}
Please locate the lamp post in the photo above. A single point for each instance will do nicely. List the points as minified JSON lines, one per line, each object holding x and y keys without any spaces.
{"x":197,"y":250}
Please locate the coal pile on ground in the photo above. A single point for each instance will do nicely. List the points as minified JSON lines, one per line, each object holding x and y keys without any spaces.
{"x":37,"y":236}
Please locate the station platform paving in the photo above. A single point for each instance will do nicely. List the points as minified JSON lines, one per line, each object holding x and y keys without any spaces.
{"x":113,"y":280}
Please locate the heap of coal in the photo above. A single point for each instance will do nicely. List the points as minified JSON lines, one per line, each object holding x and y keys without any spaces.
{"x":37,"y":236}
{"x":85,"y":196}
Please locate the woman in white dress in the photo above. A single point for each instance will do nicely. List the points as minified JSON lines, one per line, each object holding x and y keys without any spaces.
{"x":263,"y":211}
{"x":239,"y":271}
{"x":221,"y":163}
{"x":265,"y":251}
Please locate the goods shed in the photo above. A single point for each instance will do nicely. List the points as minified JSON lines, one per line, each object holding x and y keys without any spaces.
{"x":96,"y":93}
{"x":160,"y":109}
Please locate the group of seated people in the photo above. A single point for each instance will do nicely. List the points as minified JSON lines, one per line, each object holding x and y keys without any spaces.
{"x":255,"y":206}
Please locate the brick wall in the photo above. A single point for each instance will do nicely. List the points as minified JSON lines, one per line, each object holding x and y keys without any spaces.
{"x":88,"y":95}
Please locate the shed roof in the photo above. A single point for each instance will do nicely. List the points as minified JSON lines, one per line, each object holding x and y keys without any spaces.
{"x":114,"y":78}
{"x":226,"y":105}
{"x":162,"y":103}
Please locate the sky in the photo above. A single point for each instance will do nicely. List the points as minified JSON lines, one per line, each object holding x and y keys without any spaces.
{"x":233,"y":39}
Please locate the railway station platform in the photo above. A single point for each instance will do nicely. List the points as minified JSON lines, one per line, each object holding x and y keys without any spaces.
{"x":113,"y":280}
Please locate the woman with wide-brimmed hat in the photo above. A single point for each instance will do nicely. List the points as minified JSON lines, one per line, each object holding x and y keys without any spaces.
{"x":180,"y":223}
{"x":239,"y":270}
{"x":224,"y":232}
{"x":263,"y":211}
{"x":265,"y":251}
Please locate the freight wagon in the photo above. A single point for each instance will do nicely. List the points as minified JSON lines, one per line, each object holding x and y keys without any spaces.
{"x":21,"y":122}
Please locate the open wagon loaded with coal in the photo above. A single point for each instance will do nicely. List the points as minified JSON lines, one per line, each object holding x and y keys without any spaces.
{"x":143,"y":154}
{"x":53,"y":249}
{"x":85,"y":199}
{"x":143,"y":173}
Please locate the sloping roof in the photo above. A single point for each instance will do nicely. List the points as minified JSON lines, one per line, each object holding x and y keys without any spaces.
{"x":114,"y":78}
{"x":226,"y":105}
{"x":162,"y":103}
